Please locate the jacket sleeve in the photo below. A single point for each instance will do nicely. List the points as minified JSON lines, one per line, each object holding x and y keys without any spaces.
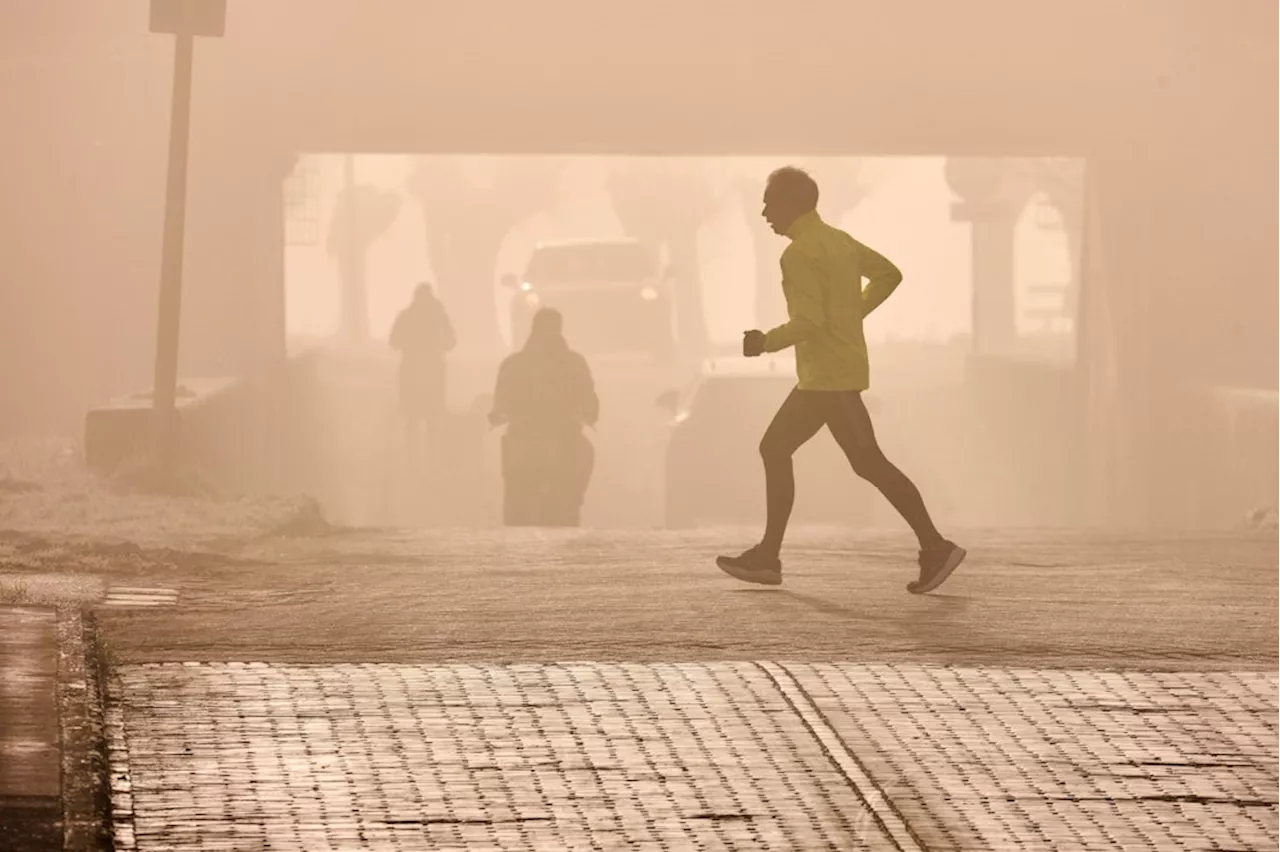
{"x":802,"y":285}
{"x":882,"y":277}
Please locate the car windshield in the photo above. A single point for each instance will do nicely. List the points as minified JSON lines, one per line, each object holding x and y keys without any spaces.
{"x":591,"y":263}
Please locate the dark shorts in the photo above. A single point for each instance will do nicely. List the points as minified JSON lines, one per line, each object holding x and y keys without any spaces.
{"x":804,"y":412}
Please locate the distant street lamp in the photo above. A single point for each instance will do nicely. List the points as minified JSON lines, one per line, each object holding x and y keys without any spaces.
{"x":185,"y":19}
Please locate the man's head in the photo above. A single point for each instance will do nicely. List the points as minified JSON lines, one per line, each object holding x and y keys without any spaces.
{"x":788,"y":194}
{"x":423,"y":293}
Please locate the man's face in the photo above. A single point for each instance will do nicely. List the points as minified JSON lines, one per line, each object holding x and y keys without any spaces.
{"x":779,"y":211}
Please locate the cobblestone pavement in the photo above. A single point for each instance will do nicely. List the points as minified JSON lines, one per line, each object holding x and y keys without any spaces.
{"x":738,"y":755}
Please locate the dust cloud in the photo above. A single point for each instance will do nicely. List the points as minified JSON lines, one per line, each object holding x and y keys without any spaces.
{"x":1080,"y":198}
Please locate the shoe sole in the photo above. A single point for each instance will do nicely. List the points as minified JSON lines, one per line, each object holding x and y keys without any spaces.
{"x":747,"y":575}
{"x":953,"y":562}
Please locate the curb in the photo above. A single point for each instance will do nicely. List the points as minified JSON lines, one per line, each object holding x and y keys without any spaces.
{"x":85,"y":787}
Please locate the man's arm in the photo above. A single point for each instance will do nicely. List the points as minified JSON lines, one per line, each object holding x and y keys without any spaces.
{"x":802,"y":286}
{"x":883,"y":277}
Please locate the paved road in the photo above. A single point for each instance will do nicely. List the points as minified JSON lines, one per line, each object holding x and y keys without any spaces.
{"x":1040,"y":599}
{"x":585,"y":689}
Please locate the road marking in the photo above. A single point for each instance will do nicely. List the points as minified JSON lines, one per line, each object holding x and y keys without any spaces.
{"x":131,"y":596}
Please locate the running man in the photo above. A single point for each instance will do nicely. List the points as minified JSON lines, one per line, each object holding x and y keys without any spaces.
{"x":822,"y":272}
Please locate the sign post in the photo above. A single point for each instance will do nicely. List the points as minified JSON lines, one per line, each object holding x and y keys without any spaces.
{"x":185,"y":19}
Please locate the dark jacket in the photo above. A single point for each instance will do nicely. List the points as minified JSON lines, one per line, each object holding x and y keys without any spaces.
{"x":545,"y":387}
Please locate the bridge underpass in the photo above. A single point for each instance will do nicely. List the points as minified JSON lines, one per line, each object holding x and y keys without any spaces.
{"x":1113,"y":86}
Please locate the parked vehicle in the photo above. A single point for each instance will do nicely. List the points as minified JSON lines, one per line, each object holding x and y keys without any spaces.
{"x":713,"y":470}
{"x":615,"y":297}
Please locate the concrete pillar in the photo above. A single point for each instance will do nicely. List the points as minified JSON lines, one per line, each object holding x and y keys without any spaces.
{"x":275,"y":394}
{"x":267,"y":180}
{"x":234,"y":317}
{"x":991,"y":203}
{"x":1097,"y":370}
{"x":1139,"y":418}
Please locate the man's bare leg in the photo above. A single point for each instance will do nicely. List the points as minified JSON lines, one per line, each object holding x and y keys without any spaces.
{"x":850,"y":425}
{"x":797,"y":420}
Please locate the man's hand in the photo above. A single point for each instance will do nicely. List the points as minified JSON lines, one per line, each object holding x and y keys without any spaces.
{"x":752,"y":343}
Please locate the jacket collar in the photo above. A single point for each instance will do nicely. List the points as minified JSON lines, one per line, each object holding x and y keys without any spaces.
{"x":803,"y":223}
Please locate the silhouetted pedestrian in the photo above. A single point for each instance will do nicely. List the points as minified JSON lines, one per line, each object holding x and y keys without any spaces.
{"x":423,"y":335}
{"x":544,"y":395}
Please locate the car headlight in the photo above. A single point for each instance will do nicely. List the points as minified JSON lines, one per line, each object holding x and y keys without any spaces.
{"x":525,"y":286}
{"x":680,"y":417}
{"x":648,"y":294}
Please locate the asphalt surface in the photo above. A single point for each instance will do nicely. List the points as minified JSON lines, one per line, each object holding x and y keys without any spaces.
{"x":1045,"y":599}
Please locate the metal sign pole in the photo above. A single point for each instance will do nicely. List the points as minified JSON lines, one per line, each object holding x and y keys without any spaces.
{"x":185,"y":19}
{"x":175,"y":209}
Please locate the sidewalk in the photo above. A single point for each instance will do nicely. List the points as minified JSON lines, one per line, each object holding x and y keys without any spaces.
{"x":740,"y":755}
{"x":52,"y":760}
{"x":30,"y":761}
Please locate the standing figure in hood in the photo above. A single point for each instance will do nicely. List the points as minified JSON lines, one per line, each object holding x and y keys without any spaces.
{"x":544,"y":395}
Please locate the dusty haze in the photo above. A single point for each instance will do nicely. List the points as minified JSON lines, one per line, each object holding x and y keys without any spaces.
{"x":1081,"y":196}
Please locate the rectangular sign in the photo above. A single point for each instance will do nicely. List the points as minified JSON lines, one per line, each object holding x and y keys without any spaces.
{"x":194,"y":17}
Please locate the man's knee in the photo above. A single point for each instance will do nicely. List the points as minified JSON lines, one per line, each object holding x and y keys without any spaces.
{"x":775,"y":452}
{"x":871,"y":466}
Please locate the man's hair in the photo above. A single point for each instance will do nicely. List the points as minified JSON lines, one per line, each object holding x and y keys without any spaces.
{"x":795,"y":184}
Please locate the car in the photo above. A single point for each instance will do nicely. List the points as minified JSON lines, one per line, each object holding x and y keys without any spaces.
{"x":615,"y":296}
{"x":714,"y":474}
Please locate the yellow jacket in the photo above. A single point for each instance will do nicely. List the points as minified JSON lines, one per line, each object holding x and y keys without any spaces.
{"x":822,"y":272}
